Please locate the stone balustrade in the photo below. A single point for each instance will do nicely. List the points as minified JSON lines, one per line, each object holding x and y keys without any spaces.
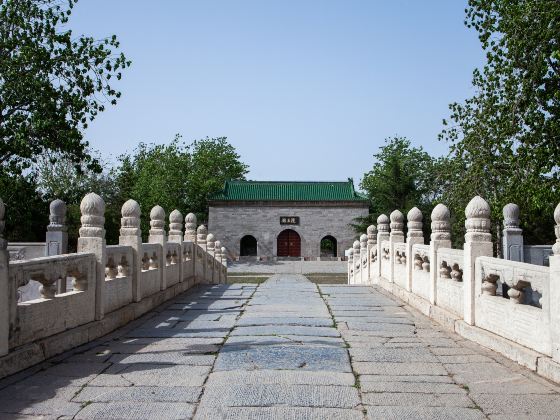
{"x":85,"y":295}
{"x":508,"y":305}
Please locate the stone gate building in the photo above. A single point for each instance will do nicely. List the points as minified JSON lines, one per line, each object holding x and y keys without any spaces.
{"x":286,"y":219}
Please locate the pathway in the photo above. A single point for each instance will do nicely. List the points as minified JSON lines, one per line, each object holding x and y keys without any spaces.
{"x":285,"y":349}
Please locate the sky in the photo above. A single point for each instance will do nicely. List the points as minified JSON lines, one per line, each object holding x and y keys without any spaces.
{"x":304,"y":89}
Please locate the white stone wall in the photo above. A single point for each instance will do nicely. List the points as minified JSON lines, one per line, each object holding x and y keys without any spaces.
{"x":231,"y":223}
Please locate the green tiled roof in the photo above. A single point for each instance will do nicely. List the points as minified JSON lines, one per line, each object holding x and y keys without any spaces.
{"x":288,"y":191}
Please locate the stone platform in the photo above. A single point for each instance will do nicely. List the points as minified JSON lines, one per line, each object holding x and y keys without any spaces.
{"x":286,"y":349}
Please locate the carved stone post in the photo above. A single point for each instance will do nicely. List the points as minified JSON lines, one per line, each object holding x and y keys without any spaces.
{"x":478,"y":243}
{"x":357,"y":262}
{"x":210,"y":266}
{"x":350,"y":264}
{"x":396,"y":236}
{"x":554,"y":302}
{"x":92,"y":240}
{"x":176,"y":236}
{"x":190,"y":228}
{"x":190,"y":236}
{"x":200,"y":247}
{"x":512,"y":240}
{"x":218,"y":258}
{"x":371,"y":250}
{"x":4,"y":286}
{"x":175,"y":227}
{"x":158,"y":236}
{"x":57,"y":231}
{"x":364,"y":259}
{"x":382,"y":235}
{"x":440,"y":238}
{"x":224,"y":262}
{"x":130,"y":235}
{"x":413,"y":236}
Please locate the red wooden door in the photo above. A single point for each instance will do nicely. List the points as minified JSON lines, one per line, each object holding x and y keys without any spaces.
{"x":289,"y":244}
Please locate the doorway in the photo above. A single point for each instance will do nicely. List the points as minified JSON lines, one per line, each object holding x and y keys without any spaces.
{"x":289,"y":244}
{"x":248,"y":246}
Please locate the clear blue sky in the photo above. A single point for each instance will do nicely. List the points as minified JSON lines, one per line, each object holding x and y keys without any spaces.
{"x":305,"y":90}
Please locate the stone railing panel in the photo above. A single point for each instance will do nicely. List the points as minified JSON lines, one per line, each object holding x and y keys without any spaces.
{"x":399,"y":268}
{"x":449,"y":266}
{"x":385,"y":260}
{"x":51,"y":313}
{"x":522,"y":323}
{"x":421,"y":270}
{"x":118,"y":277}
{"x":188,"y":259}
{"x":152,"y":265}
{"x":172,"y":263}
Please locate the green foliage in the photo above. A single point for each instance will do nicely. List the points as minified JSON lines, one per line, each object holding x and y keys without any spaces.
{"x":402,"y":177}
{"x":26,"y":212}
{"x":505,"y":140}
{"x":178,"y":176}
{"x":52,"y":83}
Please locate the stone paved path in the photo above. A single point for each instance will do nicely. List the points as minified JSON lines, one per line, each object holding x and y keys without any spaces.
{"x":286,"y":349}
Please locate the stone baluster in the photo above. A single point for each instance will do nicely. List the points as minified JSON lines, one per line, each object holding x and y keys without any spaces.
{"x":478,"y":243}
{"x":223,"y":253}
{"x":190,"y":228}
{"x":350,"y":265}
{"x":414,"y":236}
{"x":440,"y":238}
{"x":512,"y":238}
{"x":382,"y":235}
{"x":357,"y":262}
{"x":218,"y":250}
{"x":396,"y":236}
{"x":92,"y":240}
{"x":176,"y":236}
{"x":210,"y":244}
{"x":158,"y":236}
{"x":57,"y":231}
{"x":364,"y":259}
{"x":56,"y":239}
{"x":371,"y":250}
{"x":554,"y":287}
{"x":175,"y":227}
{"x":130,"y":235}
{"x":8,"y":298}
{"x":201,"y":235}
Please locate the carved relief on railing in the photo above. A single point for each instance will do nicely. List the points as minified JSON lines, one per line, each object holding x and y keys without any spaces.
{"x":450,"y":262}
{"x":119,"y":259}
{"x":150,"y":260}
{"x":172,"y":255}
{"x":373,"y":255}
{"x":400,"y":253}
{"x":187,"y":251}
{"x":522,"y":279}
{"x":385,"y":250}
{"x":421,"y":257}
{"x":48,"y":271}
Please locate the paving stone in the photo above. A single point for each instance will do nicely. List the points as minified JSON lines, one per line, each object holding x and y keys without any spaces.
{"x":286,"y":330}
{"x":312,"y":322}
{"x":406,"y":378}
{"x":532,"y":404}
{"x":264,"y":340}
{"x":465,"y":358}
{"x":137,"y":410}
{"x":286,"y":377}
{"x":284,"y":413}
{"x":153,"y":375}
{"x":383,"y":354}
{"x":168,"y":357}
{"x":53,"y":407}
{"x":386,"y":368}
{"x":283,"y":357}
{"x":420,"y":387}
{"x":260,"y":395}
{"x":417,"y":400}
{"x":424,"y":413}
{"x":139,"y":393}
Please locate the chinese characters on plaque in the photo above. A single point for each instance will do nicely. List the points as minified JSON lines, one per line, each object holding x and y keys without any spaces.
{"x":292,"y":220}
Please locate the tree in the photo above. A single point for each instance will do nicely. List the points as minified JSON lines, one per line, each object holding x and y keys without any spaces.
{"x":178,"y":176}
{"x":402,"y":177}
{"x":52,"y":84}
{"x":505,"y":140}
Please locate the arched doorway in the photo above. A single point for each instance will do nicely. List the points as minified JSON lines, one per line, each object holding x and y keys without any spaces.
{"x":328,"y":247}
{"x":289,"y":244}
{"x":248,"y":246}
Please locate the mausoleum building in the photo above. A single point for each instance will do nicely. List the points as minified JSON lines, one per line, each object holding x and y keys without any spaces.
{"x":286,"y":219}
